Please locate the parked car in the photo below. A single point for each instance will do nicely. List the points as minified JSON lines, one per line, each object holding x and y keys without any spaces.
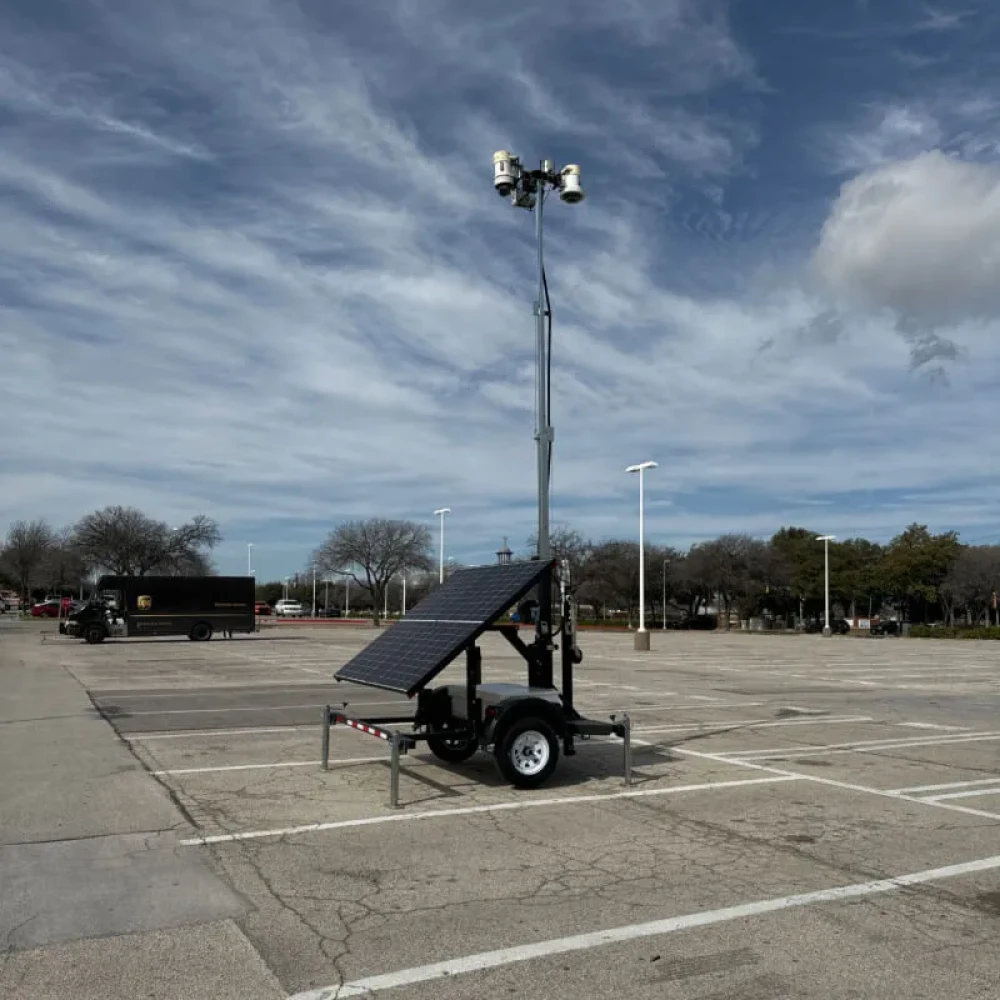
{"x":287,"y":608}
{"x":838,"y":626}
{"x":47,"y":609}
{"x":262,"y":608}
{"x":885,"y":628}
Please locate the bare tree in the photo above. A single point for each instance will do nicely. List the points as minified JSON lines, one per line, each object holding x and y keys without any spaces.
{"x":63,"y":568}
{"x":24,"y":551}
{"x":736,"y":567}
{"x":127,"y":542}
{"x":374,"y":551}
{"x":971,"y":582}
{"x":569,"y":544}
{"x":613,"y":576}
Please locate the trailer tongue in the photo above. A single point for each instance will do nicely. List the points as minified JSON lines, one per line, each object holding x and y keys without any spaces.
{"x":523,"y":725}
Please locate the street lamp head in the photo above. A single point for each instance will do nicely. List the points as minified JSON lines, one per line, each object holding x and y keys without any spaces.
{"x":506,"y":172}
{"x":569,"y":184}
{"x":443,"y":510}
{"x":641,"y":466}
{"x":826,"y":538}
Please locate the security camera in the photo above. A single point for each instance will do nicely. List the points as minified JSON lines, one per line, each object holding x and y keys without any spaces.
{"x":569,"y":182}
{"x":506,"y":172}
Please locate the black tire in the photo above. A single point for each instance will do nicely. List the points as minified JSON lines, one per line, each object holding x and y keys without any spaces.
{"x":201,"y":632}
{"x":452,"y":751}
{"x":94,"y":634}
{"x":527,"y":752}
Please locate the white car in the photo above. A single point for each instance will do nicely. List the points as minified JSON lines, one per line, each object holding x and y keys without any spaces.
{"x":288,"y":609}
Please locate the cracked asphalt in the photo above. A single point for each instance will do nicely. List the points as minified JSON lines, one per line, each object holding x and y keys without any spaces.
{"x":168,"y":831}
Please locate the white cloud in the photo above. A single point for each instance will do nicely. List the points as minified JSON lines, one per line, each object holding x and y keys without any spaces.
{"x":920,"y":237}
{"x":886,"y":134}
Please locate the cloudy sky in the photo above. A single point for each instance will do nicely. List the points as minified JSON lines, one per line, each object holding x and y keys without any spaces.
{"x":252,"y":265}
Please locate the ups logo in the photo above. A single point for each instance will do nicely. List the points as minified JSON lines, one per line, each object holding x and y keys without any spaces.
{"x":144,"y":602}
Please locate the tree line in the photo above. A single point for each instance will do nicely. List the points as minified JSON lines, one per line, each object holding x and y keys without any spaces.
{"x":36,"y":558}
{"x":917,"y":576}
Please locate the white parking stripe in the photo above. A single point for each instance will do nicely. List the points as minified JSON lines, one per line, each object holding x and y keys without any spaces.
{"x":318,"y":705}
{"x":755,"y":723}
{"x":263,"y":767}
{"x":192,"y":733}
{"x":965,"y":795}
{"x":859,"y":746}
{"x":951,"y":784}
{"x":674,"y":707}
{"x":832,"y":782}
{"x":931,"y":725}
{"x":631,"y":932}
{"x":410,"y":817}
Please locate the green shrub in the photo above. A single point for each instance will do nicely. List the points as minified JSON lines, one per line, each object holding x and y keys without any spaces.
{"x":954,"y":632}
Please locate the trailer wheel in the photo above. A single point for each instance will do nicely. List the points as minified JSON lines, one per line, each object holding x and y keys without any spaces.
{"x":527,"y":753}
{"x":452,"y":751}
{"x":201,"y":632}
{"x":94,"y":633}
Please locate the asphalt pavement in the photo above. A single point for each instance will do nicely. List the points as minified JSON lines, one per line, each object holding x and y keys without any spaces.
{"x":809,"y":819}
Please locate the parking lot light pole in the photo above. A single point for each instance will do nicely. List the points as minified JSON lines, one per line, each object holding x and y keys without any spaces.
{"x":441,"y":512}
{"x":826,"y":539}
{"x":249,"y":559}
{"x":642,"y":636}
{"x":314,"y":592}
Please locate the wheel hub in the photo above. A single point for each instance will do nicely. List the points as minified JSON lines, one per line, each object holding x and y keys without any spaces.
{"x":529,"y":753}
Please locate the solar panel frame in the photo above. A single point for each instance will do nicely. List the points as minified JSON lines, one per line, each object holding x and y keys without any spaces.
{"x":407,"y":656}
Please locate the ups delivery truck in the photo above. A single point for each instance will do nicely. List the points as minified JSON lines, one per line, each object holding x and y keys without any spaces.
{"x":195,"y":606}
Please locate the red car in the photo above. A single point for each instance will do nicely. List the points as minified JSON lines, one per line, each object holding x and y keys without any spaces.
{"x":51,"y":608}
{"x":262,"y":608}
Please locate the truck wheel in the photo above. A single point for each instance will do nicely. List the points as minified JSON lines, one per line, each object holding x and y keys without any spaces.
{"x":527,"y":753}
{"x":94,"y":634}
{"x":201,"y":632}
{"x":452,"y":751}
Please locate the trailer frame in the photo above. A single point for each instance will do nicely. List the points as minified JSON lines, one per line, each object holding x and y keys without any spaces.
{"x":456,"y":721}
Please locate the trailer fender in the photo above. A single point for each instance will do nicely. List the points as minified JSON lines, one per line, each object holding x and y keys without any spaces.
{"x":501,"y":717}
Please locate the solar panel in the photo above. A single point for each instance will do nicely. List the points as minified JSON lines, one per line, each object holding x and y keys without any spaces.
{"x":409,"y":654}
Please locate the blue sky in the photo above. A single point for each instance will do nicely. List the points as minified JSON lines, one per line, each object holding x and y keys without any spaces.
{"x":253,"y":266}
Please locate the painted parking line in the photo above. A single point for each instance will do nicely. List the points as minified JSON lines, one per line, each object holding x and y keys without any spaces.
{"x":211,"y":733}
{"x":756,"y":723}
{"x":318,"y":705}
{"x":262,"y":767}
{"x":631,"y":932}
{"x":412,"y":759}
{"x":674,"y":707}
{"x":866,"y":746}
{"x":404,"y":817}
{"x":965,"y":795}
{"x":932,"y":725}
{"x":942,"y":788}
{"x":846,"y":786}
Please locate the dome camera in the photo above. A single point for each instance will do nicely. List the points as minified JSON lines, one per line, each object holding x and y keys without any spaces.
{"x":506,"y":172}
{"x":569,"y":183}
